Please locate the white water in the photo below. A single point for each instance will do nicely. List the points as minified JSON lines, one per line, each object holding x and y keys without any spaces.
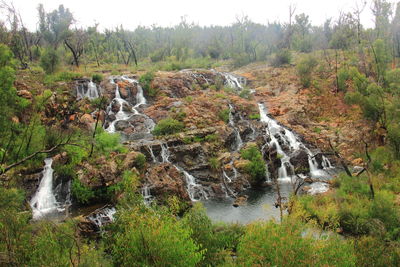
{"x":232,"y":81}
{"x":121,"y":114}
{"x":153,"y":157}
{"x":165,"y":153}
{"x":147,"y":197}
{"x":289,"y":139}
{"x":103,"y":216}
{"x":238,"y":140}
{"x":44,"y":201}
{"x":91,"y":92}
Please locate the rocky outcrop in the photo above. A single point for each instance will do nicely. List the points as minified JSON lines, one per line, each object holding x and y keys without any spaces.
{"x":102,"y":172}
{"x":166,"y":181}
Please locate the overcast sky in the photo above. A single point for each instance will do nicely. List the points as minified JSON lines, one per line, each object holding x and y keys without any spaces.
{"x":110,"y":13}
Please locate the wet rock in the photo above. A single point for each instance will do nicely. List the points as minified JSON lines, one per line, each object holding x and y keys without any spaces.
{"x":101,"y":173}
{"x":240,"y":201}
{"x":166,"y":180}
{"x":88,"y":121}
{"x":115,"y":106}
{"x":121,"y":125}
{"x":299,"y":160}
{"x":126,"y":107}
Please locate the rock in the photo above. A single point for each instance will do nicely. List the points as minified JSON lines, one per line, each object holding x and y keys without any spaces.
{"x":299,"y":160}
{"x":101,"y":173}
{"x":357,"y":162}
{"x":25,"y":94}
{"x":130,"y":160}
{"x":166,"y":181}
{"x":115,"y":106}
{"x":240,"y":201}
{"x":88,"y":120}
{"x":126,"y":107}
{"x":121,"y":125}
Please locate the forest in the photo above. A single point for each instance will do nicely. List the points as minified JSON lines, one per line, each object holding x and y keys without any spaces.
{"x":251,"y":144}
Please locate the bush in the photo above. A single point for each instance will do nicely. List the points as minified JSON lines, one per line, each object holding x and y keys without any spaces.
{"x":214,"y":163}
{"x":255,"y":116}
{"x":50,"y":61}
{"x":107,"y":142}
{"x":168,"y":126}
{"x":343,"y":76}
{"x":285,"y":244}
{"x":245,"y":93}
{"x":305,"y":69}
{"x":145,"y":81}
{"x":141,"y":237}
{"x":140,"y":161}
{"x":282,"y":57}
{"x":97,"y":78}
{"x":224,"y":115}
{"x":256,"y":167}
{"x":81,"y":192}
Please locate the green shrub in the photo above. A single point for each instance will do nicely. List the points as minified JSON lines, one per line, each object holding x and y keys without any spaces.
{"x":81,"y":192}
{"x":256,"y":167}
{"x":214,"y":163}
{"x":145,"y":81}
{"x":107,"y":142}
{"x":140,"y":161}
{"x":50,"y":61}
{"x":245,"y":93}
{"x":224,"y":115}
{"x":255,"y":116}
{"x":168,"y":126}
{"x":305,"y":69}
{"x":141,"y":237}
{"x":285,"y":244}
{"x":97,"y":78}
{"x":282,"y":57}
{"x":343,"y":76}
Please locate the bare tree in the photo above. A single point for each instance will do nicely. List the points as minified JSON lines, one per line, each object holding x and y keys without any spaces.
{"x":76,"y":42}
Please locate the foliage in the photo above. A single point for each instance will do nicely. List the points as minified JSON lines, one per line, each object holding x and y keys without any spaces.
{"x":224,"y":115}
{"x":140,"y":161}
{"x":256,"y":165}
{"x":343,"y":76}
{"x":145,"y":81}
{"x":305,"y":68}
{"x":50,"y":60}
{"x":81,"y":192}
{"x":214,"y":163}
{"x":282,"y":57}
{"x":269,"y":243}
{"x":140,"y":237}
{"x":107,"y":142}
{"x":97,"y":78}
{"x":168,"y":126}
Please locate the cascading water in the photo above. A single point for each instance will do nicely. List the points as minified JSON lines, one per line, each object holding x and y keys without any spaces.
{"x":122,"y":115}
{"x":274,"y":129}
{"x":102,"y":216}
{"x":238,"y":139}
{"x":233,"y":81}
{"x":147,"y":197}
{"x":44,"y":203}
{"x":91,"y":92}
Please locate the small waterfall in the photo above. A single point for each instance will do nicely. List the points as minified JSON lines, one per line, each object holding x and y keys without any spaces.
{"x":233,"y":81}
{"x":44,"y":201}
{"x":102,"y":216}
{"x":326,"y":164}
{"x":121,"y":114}
{"x":152,"y":154}
{"x":195,"y":191}
{"x":165,"y":153}
{"x":91,"y":93}
{"x":238,"y":140}
{"x":286,"y":170}
{"x":147,"y":197}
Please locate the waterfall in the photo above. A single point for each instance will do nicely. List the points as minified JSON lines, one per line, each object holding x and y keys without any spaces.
{"x":326,"y":164}
{"x":102,"y":216}
{"x":165,"y":153}
{"x":152,"y":154}
{"x":232,"y":81}
{"x":238,"y":139}
{"x":147,"y":197}
{"x":195,"y":191}
{"x":91,"y":93}
{"x":44,"y":201}
{"x":286,"y":170}
{"x":123,"y":115}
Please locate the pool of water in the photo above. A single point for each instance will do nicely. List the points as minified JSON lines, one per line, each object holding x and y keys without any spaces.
{"x":260,"y":205}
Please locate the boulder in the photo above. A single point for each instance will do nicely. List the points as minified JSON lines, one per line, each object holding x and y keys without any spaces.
{"x":166,"y":181}
{"x":121,"y":125}
{"x":25,"y":94}
{"x":299,"y":160}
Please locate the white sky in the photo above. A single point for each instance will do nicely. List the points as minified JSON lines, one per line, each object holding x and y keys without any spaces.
{"x":110,"y":13}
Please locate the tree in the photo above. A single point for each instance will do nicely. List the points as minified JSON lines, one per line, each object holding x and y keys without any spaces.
{"x":54,"y":26}
{"x":76,"y":41}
